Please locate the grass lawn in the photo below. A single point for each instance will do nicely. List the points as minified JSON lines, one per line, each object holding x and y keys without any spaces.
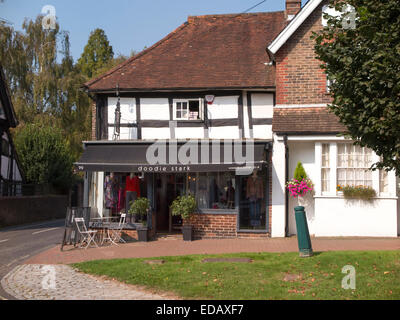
{"x":319,"y":277}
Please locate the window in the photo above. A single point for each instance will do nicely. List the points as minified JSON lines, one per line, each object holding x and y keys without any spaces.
{"x":213,"y":190}
{"x":383,"y":181}
{"x":325,"y":171}
{"x":353,"y":163}
{"x":191,"y":109}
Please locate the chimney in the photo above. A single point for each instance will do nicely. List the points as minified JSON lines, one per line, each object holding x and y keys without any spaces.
{"x":292,"y":8}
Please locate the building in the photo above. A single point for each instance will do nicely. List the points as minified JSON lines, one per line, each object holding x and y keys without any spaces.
{"x":252,"y":81}
{"x":11,"y":175}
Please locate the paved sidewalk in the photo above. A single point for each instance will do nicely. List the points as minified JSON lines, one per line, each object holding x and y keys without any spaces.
{"x":25,"y":282}
{"x":174,"y":247}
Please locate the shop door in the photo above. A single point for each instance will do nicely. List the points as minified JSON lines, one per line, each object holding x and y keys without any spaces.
{"x":167,"y":188}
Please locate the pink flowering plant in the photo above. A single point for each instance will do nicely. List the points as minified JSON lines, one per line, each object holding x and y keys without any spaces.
{"x":299,"y":188}
{"x":301,"y":184}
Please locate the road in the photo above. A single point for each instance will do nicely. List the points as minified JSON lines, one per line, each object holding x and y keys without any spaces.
{"x":17,"y":244}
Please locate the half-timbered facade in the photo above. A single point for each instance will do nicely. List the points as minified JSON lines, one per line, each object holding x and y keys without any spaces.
{"x":10,"y":174}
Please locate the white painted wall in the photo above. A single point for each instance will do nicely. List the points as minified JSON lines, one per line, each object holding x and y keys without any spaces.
{"x":330,"y":214}
{"x":278,"y":191}
{"x":128,"y":110}
{"x":262,"y":105}
{"x":262,"y":131}
{"x":340,"y":217}
{"x":156,"y":133}
{"x":398,"y":204}
{"x":125,"y":133}
{"x":304,"y":152}
{"x":228,"y":132}
{"x":189,"y":133}
{"x":223,"y":108}
{"x":154,"y":109}
{"x":99,"y":193}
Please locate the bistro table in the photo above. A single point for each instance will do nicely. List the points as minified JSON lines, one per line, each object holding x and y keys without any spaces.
{"x":104,"y":223}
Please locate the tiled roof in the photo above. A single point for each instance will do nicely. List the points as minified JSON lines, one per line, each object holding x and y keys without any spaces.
{"x":213,"y":51}
{"x":305,"y":120}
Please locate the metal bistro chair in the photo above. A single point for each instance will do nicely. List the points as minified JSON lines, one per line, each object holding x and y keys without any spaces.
{"x":117,"y":233}
{"x":88,"y":235}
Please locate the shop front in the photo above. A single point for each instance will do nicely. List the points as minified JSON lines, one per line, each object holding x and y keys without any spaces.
{"x":233,"y":196}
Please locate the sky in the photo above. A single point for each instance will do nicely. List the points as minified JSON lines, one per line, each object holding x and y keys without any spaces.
{"x":128,"y":24}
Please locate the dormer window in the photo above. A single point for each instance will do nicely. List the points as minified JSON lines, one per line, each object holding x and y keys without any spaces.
{"x":188,"y":109}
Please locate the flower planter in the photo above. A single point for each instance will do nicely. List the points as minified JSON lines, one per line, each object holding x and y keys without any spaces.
{"x":143,"y":235}
{"x":187,"y":232}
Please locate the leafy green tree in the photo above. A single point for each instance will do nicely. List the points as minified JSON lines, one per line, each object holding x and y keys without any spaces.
{"x":44,"y":81}
{"x":362,"y":61}
{"x":96,"y":55}
{"x":45,"y":156}
{"x":299,"y":173}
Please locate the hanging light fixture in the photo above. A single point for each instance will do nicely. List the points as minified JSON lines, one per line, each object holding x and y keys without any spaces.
{"x":117,"y":121}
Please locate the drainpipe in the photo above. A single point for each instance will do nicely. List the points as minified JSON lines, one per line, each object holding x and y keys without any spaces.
{"x":285,"y":138}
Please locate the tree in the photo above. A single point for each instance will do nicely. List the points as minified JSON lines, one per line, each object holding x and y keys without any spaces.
{"x":45,"y":156}
{"x":96,"y":55}
{"x":362,"y":62}
{"x":43,"y":89}
{"x":299,"y":173}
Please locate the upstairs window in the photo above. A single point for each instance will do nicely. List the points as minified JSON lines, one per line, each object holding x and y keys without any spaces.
{"x":188,"y":109}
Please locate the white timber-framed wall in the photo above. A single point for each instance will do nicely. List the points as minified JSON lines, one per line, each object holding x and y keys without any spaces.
{"x":6,"y":160}
{"x":328,"y":212}
{"x":232,"y":115}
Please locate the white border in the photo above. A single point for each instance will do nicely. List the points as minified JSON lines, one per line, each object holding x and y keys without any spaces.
{"x":304,"y":13}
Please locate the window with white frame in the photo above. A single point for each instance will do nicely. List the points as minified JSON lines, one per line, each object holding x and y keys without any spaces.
{"x":188,"y":109}
{"x":325,"y":168}
{"x":353,"y":163}
{"x":383,"y":181}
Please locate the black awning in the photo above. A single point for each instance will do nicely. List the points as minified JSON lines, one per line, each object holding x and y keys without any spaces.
{"x":168,"y":156}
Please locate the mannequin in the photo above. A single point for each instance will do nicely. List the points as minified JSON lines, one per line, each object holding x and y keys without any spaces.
{"x":111,"y":191}
{"x":254,"y":193}
{"x":132,"y":190}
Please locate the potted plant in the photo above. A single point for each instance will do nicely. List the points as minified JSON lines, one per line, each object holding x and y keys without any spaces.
{"x":185,"y":206}
{"x":141,"y":207}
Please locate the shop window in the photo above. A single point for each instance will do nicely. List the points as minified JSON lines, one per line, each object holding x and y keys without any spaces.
{"x":353,"y":163}
{"x":253,"y":201}
{"x":213,"y":190}
{"x":191,"y":109}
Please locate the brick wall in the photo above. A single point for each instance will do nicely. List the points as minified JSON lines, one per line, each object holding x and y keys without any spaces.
{"x":299,"y":78}
{"x":214,"y":225}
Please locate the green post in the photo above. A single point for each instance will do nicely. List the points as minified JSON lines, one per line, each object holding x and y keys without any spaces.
{"x":303,"y":235}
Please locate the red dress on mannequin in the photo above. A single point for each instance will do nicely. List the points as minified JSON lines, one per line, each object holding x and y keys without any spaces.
{"x":133,"y":185}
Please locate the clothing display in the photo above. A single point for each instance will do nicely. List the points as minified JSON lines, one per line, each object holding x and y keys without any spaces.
{"x":254,"y":192}
{"x":254,"y":188}
{"x":111,"y":187}
{"x":133,"y":184}
{"x":255,"y":213}
{"x":121,"y":199}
